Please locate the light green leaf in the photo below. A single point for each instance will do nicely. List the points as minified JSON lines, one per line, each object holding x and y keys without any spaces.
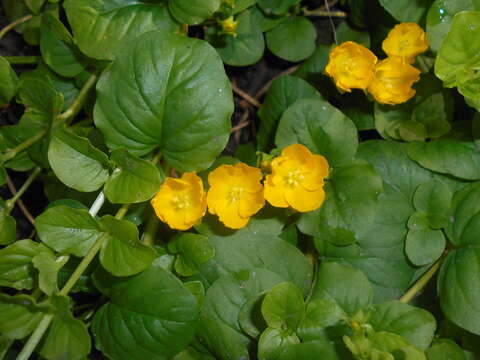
{"x":448,"y":156}
{"x":283,"y":93}
{"x":273,"y":340}
{"x":8,"y":228}
{"x":193,"y":250}
{"x":345,"y":285}
{"x":176,"y":97}
{"x":244,"y":49}
{"x":134,"y":324}
{"x":122,"y":253}
{"x":445,"y":349}
{"x":292,"y":39}
{"x":68,"y":230}
{"x":48,"y":266}
{"x":76,"y":162}
{"x":283,"y":307}
{"x":35,"y":5}
{"x":424,"y":246}
{"x":350,"y":205}
{"x":313,"y":350}
{"x":134,"y":180}
{"x":322,"y":128}
{"x":100,"y":27}
{"x":9,"y":83}
{"x":397,"y":345}
{"x":276,"y":7}
{"x":414,"y":324}
{"x":406,"y":10}
{"x":58,"y":49}
{"x":19,"y":315}
{"x":193,"y":12}
{"x":67,"y":337}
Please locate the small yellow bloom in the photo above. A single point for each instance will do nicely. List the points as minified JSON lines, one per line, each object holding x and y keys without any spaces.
{"x":181,"y":203}
{"x":229,"y":26}
{"x":297,"y":179}
{"x":406,"y":40}
{"x":235,"y":194}
{"x":393,"y":81}
{"x":351,"y":65}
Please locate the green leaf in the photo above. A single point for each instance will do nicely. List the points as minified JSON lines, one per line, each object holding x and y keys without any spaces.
{"x":100,"y":27}
{"x":347,"y":33}
{"x":48,"y":266}
{"x":192,"y":250}
{"x":414,"y":324}
{"x":350,"y":205}
{"x":276,"y":7}
{"x":134,"y":324}
{"x":396,"y":345}
{"x":122,"y":253}
{"x":445,"y":349}
{"x":265,"y":21}
{"x":250,"y":317}
{"x":176,"y":98}
{"x":283,"y":307}
{"x":434,"y":198}
{"x":244,"y":49}
{"x":134,"y":180}
{"x":283,"y":93}
{"x":292,"y":39}
{"x":68,"y":230}
{"x":273,"y":340}
{"x":424,"y":246}
{"x":439,"y":19}
{"x":322,"y":128}
{"x":67,"y":337}
{"x":40,"y":96}
{"x":346,"y":286}
{"x":406,"y":10}
{"x":19,"y":315}
{"x":8,"y":228}
{"x":448,"y":156}
{"x":35,"y":5}
{"x":193,"y":12}
{"x":9,"y":84}
{"x":58,"y":49}
{"x":76,"y":162}
{"x":313,"y":350}
{"x":16,"y":269}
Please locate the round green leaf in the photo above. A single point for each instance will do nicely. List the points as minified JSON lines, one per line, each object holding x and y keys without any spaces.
{"x":321,"y":315}
{"x":194,"y":11}
{"x":68,"y":230}
{"x":320,"y":127}
{"x":283,"y":307}
{"x":406,"y":10}
{"x":48,"y":266}
{"x":293,"y":39}
{"x":192,"y":250}
{"x":284,"y":92}
{"x":445,"y":349}
{"x":266,"y":22}
{"x":76,"y":162}
{"x":122,"y":253}
{"x":424,"y":246}
{"x":100,"y":27}
{"x":9,"y":83}
{"x":273,"y":340}
{"x":434,"y":198}
{"x":250,"y":317}
{"x":246,"y":48}
{"x":134,"y":180}
{"x":276,"y":7}
{"x":169,"y":92}
{"x":8,"y":228}
{"x":134,"y":324}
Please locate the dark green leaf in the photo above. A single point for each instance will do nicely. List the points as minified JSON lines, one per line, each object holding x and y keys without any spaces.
{"x":277,"y":7}
{"x":266,"y":22}
{"x":100,"y":27}
{"x":122,"y":253}
{"x":193,"y":250}
{"x":322,"y":128}
{"x":293,"y":39}
{"x":35,"y":5}
{"x":40,"y":96}
{"x":250,"y":317}
{"x":9,"y":83}
{"x":347,"y":33}
{"x":134,"y":324}
{"x":68,"y":230}
{"x":283,"y":307}
{"x":406,"y":10}
{"x":424,"y":246}
{"x":178,"y":99}
{"x":194,"y":11}
{"x":313,"y":350}
{"x":8,"y":228}
{"x":76,"y":162}
{"x":434,"y":198}
{"x":134,"y":180}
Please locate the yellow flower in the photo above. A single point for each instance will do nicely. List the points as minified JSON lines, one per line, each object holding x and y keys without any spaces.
{"x":351,"y":66}
{"x":406,"y":40}
{"x":229,"y":26}
{"x":235,"y":194}
{"x":181,"y":203}
{"x":393,"y":81}
{"x":297,"y":179}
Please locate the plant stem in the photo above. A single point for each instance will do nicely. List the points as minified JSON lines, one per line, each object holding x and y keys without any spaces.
{"x":10,"y":26}
{"x":35,"y":337}
{"x":422,"y":281}
{"x":317,"y":12}
{"x":151,"y":229}
{"x":10,"y":203}
{"x":97,"y":204}
{"x":22,"y":60}
{"x":10,"y":154}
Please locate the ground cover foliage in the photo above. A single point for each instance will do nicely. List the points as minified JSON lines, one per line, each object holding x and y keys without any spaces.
{"x":327,"y":223}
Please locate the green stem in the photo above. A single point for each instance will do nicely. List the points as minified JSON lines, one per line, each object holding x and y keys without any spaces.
{"x":35,"y":337}
{"x":10,"y":203}
{"x":10,"y":154}
{"x":151,"y":229}
{"x":422,"y":281}
{"x":317,"y":12}
{"x":22,"y":60}
{"x":10,"y":26}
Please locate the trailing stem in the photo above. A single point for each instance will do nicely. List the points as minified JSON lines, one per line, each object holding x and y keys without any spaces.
{"x":10,"y":26}
{"x":10,"y":203}
{"x":22,"y":60}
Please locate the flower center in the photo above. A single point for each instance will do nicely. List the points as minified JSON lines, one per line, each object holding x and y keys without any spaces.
{"x":293,"y":178}
{"x":181,"y":202}
{"x":235,"y":193}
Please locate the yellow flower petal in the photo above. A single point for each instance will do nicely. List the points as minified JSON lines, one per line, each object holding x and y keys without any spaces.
{"x":303,"y":200}
{"x":251,"y":203}
{"x":231,"y":218}
{"x":318,"y":170}
{"x":405,"y":40}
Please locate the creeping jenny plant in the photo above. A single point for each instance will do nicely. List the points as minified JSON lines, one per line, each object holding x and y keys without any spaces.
{"x":166,"y":204}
